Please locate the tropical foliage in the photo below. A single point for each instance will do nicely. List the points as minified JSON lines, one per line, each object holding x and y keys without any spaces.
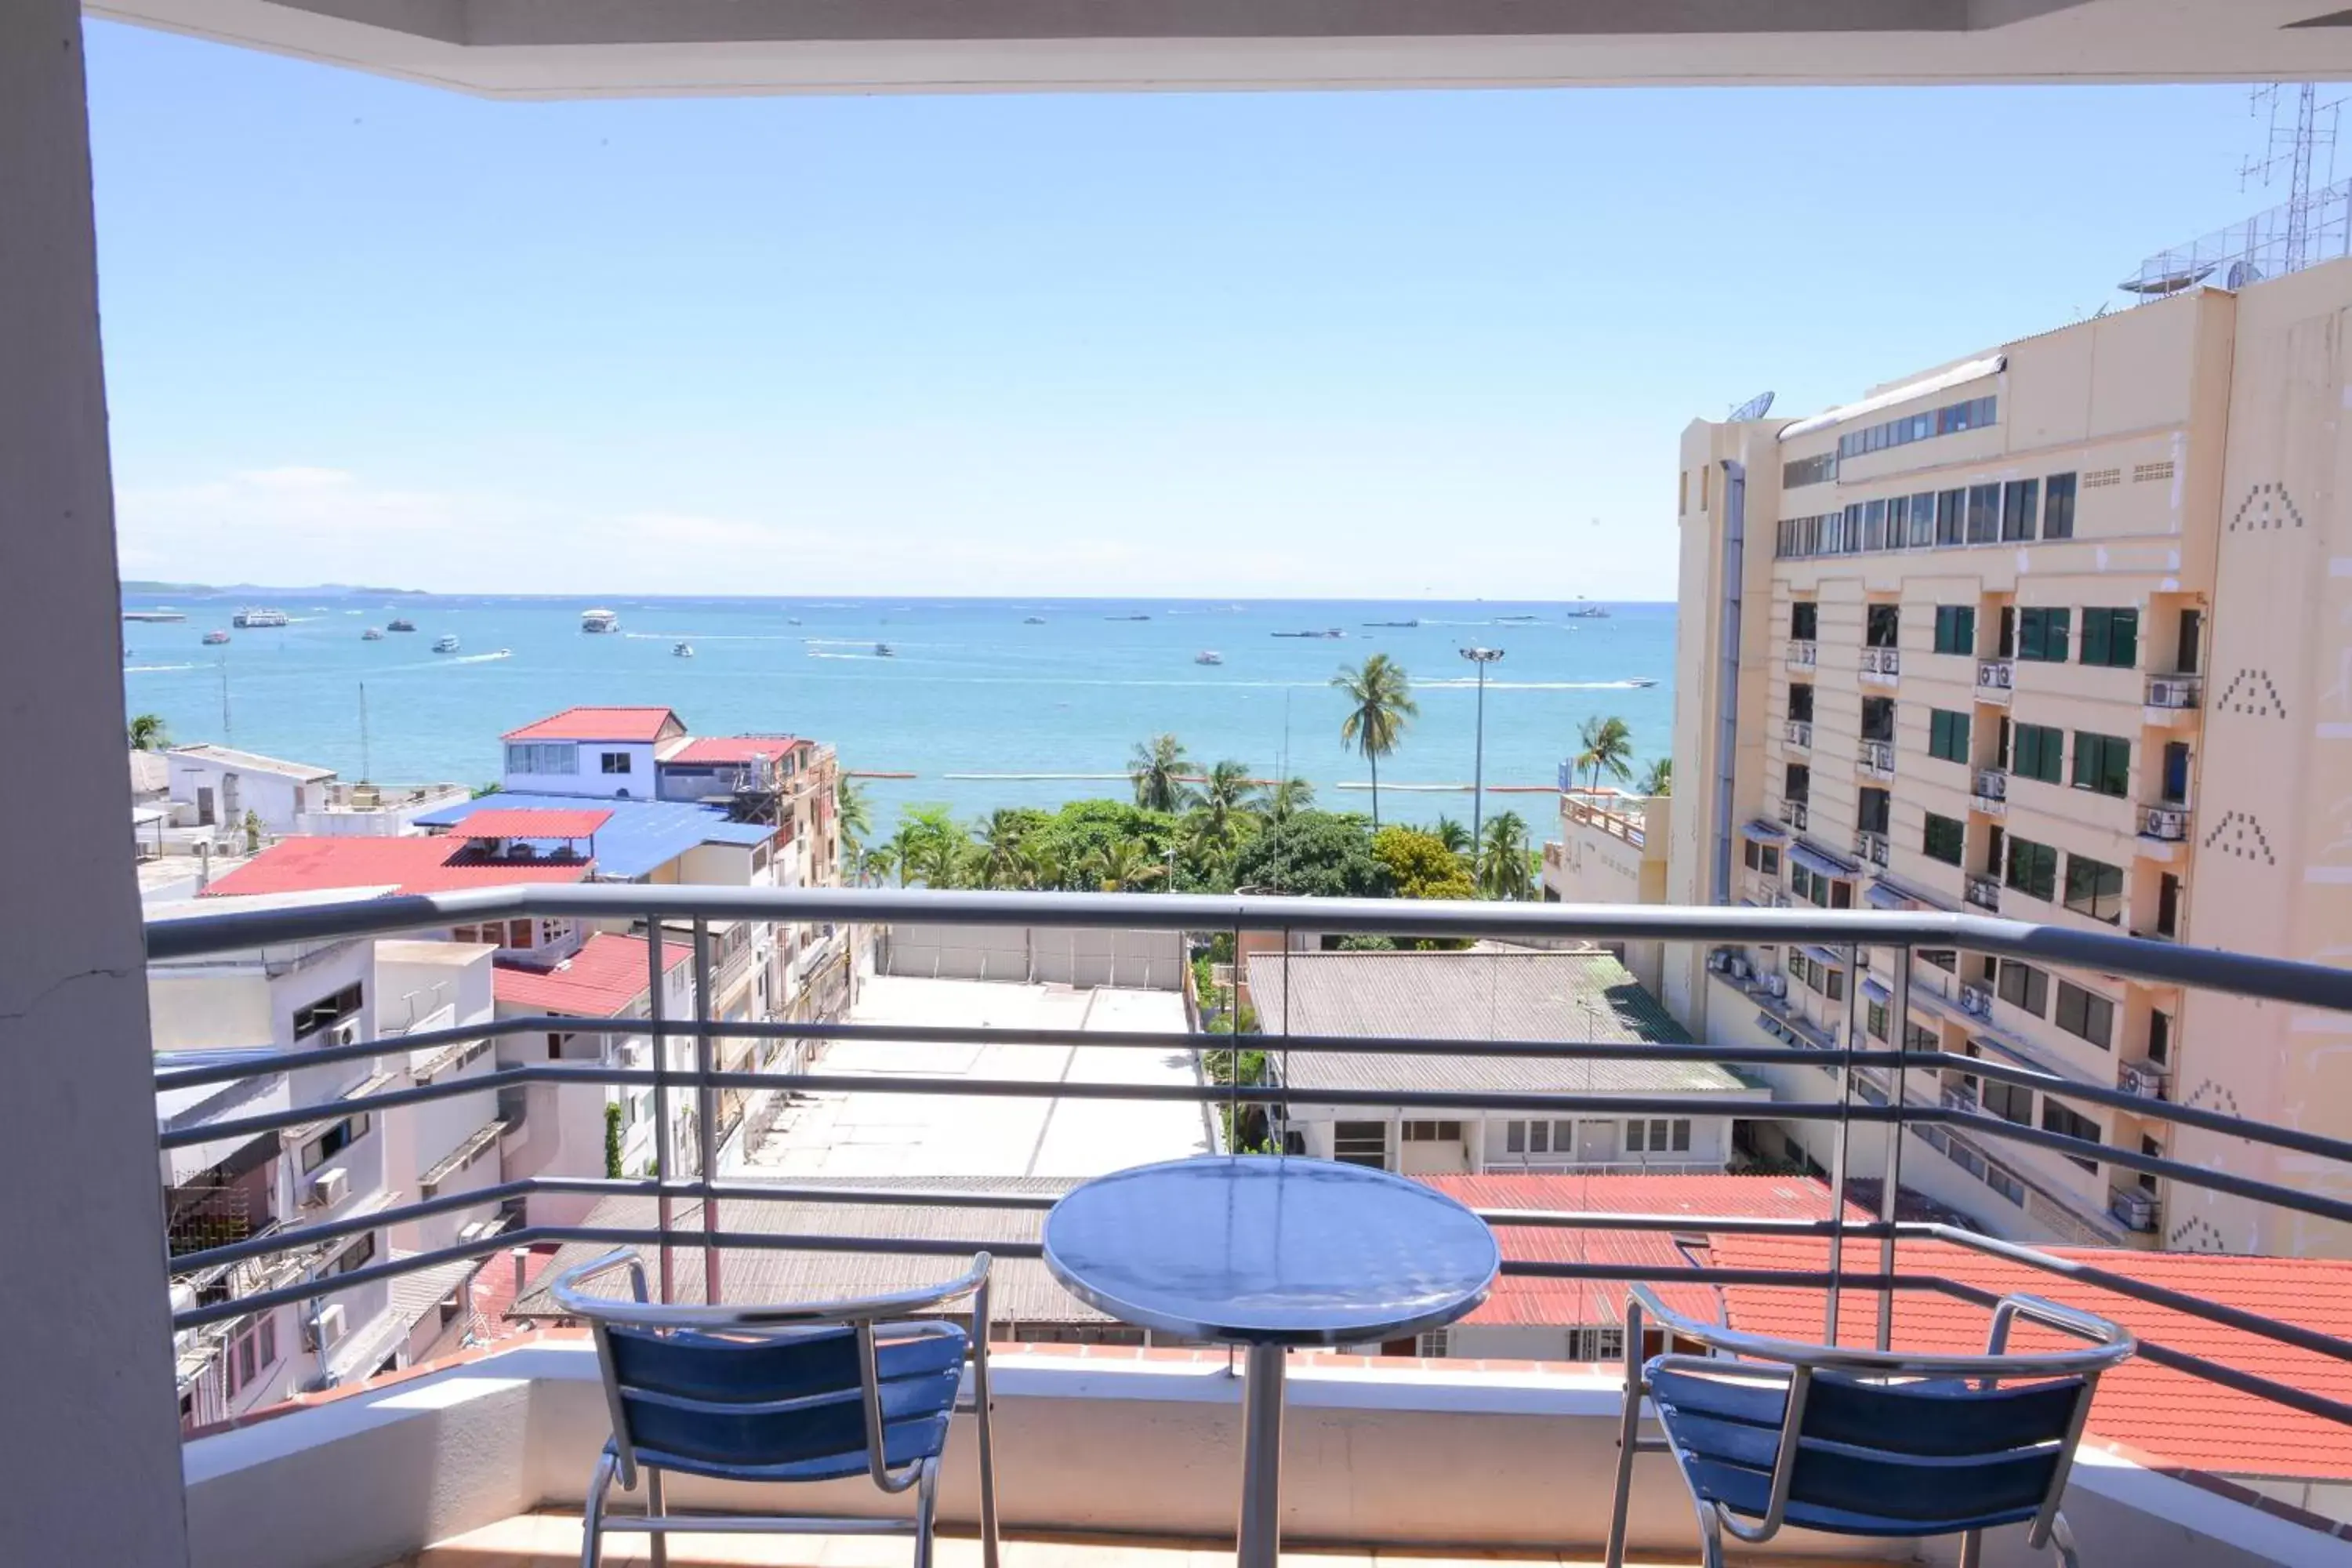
{"x":1419,"y":866}
{"x":148,"y":735}
{"x":1157,"y":771}
{"x":1657,"y":779}
{"x":1506,"y":862}
{"x":1379,"y":706}
{"x":1608,"y":748}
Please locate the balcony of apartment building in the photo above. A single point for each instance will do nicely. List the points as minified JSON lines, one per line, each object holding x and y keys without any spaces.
{"x":1880,"y":661}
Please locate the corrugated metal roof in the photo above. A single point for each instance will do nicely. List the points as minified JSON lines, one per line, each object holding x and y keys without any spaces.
{"x":637,"y":724}
{"x":604,"y":977}
{"x":406,"y":865}
{"x":1567,"y":997}
{"x":529,"y":822}
{"x":724,"y":749}
{"x":251,"y":762}
{"x":1817,"y":859}
{"x":640,"y":837}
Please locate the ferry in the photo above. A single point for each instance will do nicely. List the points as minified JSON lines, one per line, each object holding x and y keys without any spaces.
{"x":253,"y":619}
{"x":1327,"y":632}
{"x":599,"y":621}
{"x":1588,"y":612}
{"x":374,"y":634}
{"x":400,"y":623}
{"x":1208,"y":656}
{"x":682,"y":650}
{"x":214,"y":640}
{"x":445,"y":645}
{"x":156,"y":615}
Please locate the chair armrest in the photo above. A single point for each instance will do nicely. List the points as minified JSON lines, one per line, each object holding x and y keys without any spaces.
{"x":2096,"y":1358}
{"x":2065,"y":1320}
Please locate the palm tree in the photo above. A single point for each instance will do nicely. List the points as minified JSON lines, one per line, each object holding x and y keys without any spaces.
{"x":1608,"y":749}
{"x":1380,"y":705}
{"x":876,"y":865}
{"x":1041,"y":864}
{"x":1504,"y":870}
{"x":851,"y":810}
{"x":1452,"y":834}
{"x":1157,"y":771}
{"x":1288,"y":798}
{"x":1658,"y":779}
{"x":1222,"y":809}
{"x":1124,"y":864}
{"x":999,"y":850}
{"x":148,"y":735}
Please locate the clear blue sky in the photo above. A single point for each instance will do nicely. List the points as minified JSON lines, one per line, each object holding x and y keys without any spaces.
{"x":1364,"y":344}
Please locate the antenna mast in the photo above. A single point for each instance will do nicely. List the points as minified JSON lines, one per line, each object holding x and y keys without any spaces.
{"x":2300,"y":127}
{"x":367,"y":774}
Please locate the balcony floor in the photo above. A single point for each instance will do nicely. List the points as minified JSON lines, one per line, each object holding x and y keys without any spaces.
{"x":553,"y":1541}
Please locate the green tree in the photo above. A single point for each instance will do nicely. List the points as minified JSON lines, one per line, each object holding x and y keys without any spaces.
{"x":1224,"y":814}
{"x":999,"y":847}
{"x":1318,"y":853}
{"x":612,"y":1139}
{"x":875,"y":865}
{"x":1288,"y":798}
{"x":1419,"y":866}
{"x":1657,"y":779}
{"x":855,"y":816}
{"x":1379,"y":706}
{"x":1125,"y":866}
{"x":148,"y":735}
{"x":1505,"y":867}
{"x":1608,"y":749}
{"x":1452,"y":834}
{"x":929,"y":847}
{"x":1157,"y":770}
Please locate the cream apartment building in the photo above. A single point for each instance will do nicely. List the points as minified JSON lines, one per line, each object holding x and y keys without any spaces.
{"x":2063,"y":632}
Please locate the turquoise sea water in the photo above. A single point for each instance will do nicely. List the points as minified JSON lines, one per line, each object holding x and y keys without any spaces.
{"x":971,"y":688}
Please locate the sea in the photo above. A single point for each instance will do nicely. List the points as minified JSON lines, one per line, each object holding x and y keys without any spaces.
{"x":980,"y":702}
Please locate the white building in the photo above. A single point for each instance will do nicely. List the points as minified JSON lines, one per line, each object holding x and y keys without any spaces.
{"x":605,"y":752}
{"x":1485,"y":993}
{"x":218,"y":785}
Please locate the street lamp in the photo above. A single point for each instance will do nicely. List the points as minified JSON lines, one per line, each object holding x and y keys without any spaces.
{"x":1482,"y":658}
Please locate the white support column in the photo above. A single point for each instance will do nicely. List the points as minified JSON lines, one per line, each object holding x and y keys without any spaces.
{"x":93,"y":1468}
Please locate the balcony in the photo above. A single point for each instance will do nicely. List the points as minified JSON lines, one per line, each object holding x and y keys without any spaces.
{"x":2134,"y":1208}
{"x":2164,"y":823}
{"x":1871,"y":847}
{"x":1976,"y":1000}
{"x":1994,"y":678}
{"x":2171,"y":701}
{"x":1798,"y":733}
{"x":475,"y":1453}
{"x":1875,"y":760}
{"x":1881,"y":665}
{"x":1989,"y":791}
{"x":1794,"y":813}
{"x":2142,"y":1077}
{"x":1803,"y":653}
{"x":1984,"y":892}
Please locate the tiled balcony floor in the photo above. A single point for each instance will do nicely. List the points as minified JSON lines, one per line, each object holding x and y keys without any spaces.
{"x":553,"y":1541}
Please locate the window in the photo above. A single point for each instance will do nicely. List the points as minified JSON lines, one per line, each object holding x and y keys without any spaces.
{"x":614,"y":762}
{"x":1951,"y":420}
{"x":2185,"y":646}
{"x":1763,"y":858}
{"x":2056,"y":1118}
{"x":2173,"y":790}
{"x":1883,"y":626}
{"x":2085,"y":1015}
{"x":358,"y":1254}
{"x":2167,"y":905}
{"x":2159,"y":1037}
{"x":2009,"y":1101}
{"x":2058,"y":506}
{"x":1875,"y":1020}
{"x":1797,"y":786}
{"x":1800,"y":701}
{"x":2020,"y":505}
{"x":1658,"y":1137}
{"x":1432,"y":1132}
{"x":333,"y":1142}
{"x":2095,"y":888}
{"x":2003,"y":1180}
{"x":1808,"y":470}
{"x":2023,"y":986}
{"x":2033,"y":869}
{"x":1804,"y":617}
{"x":543,"y":757}
{"x":2154,"y":1151}
{"x":2111,"y":638}
{"x":2038,"y":752}
{"x":253,"y":1350}
{"x":1950,"y":507}
{"x":1596,"y":1344}
{"x":1923,"y":520}
{"x":1360,"y":1143}
{"x":1873,"y":810}
{"x":1947,"y":736}
{"x":1944,"y":839}
{"x":1984,"y":514}
{"x":1878,"y":718}
{"x":1956,"y":629}
{"x":1431,"y":1344}
{"x":2102,"y":762}
{"x":327,"y":1010}
{"x":1539,"y":1137}
{"x":2005,"y":643}
{"x":2041,"y":633}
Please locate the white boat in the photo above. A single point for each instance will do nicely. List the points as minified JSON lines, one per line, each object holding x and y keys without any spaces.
{"x":1034,"y":621}
{"x":445,"y":645}
{"x":682,"y":650}
{"x":250,"y":619}
{"x":1587,"y":612}
{"x":1208,"y":656}
{"x":599,"y":621}
{"x":374,"y":634}
{"x":215,"y":638}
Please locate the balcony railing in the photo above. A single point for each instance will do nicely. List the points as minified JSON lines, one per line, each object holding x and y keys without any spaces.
{"x":1876,"y":758}
{"x":1984,"y":892}
{"x":1798,"y":731}
{"x":1994,"y":679}
{"x":1795,"y":812}
{"x":1803,"y":653}
{"x":1871,"y":846}
{"x":684,"y":1082}
{"x":1882,"y":663}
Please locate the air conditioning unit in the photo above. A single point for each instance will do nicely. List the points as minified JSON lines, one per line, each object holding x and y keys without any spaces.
{"x":329,"y":1188}
{"x":480,"y":1229}
{"x":2168,"y":822}
{"x":1739,"y":969}
{"x":1718,"y":962}
{"x":2145,"y":1078}
{"x":327,"y":1327}
{"x":346,"y":1033}
{"x":1976,"y":1000}
{"x":2172,"y":694}
{"x":2135,"y":1207}
{"x":1777,"y":986}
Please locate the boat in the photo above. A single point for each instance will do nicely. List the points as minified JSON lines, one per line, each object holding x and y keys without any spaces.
{"x":157,"y":616}
{"x":792,"y":621}
{"x":215,"y":638}
{"x":682,"y":650}
{"x":400,"y":623}
{"x":1327,"y":632}
{"x":883,"y":650}
{"x":1126,"y":617}
{"x":1512,"y":620}
{"x":1642,"y":680}
{"x":1208,"y":656}
{"x":1408,"y":624}
{"x":445,"y":645}
{"x":1034,"y":621}
{"x":1587,"y":612}
{"x":374,"y":634}
{"x":254,"y":619}
{"x":599,"y":621}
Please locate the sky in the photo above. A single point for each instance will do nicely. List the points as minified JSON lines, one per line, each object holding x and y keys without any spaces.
{"x":1354,"y":345}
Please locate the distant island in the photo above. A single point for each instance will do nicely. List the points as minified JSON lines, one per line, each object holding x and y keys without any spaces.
{"x":260,"y":591}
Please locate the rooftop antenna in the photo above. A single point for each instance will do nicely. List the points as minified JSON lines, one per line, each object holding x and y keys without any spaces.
{"x":2313,"y":224}
{"x":366,"y":773}
{"x":1755,"y":407}
{"x":2301,"y":127}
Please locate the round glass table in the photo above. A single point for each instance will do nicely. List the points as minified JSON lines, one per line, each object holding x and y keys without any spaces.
{"x":1268,"y":1252}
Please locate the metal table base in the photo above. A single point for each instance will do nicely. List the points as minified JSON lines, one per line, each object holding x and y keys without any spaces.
{"x":1260,"y":1538}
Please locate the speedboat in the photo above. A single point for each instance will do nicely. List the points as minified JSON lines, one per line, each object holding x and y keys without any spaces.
{"x":445,"y":645}
{"x":883,"y":650}
{"x":400,"y":623}
{"x":214,"y":640}
{"x":374,"y":634}
{"x":682,"y":650}
{"x":1588,"y":612}
{"x":1208,"y":656}
{"x":599,"y":621}
{"x":251,"y":619}
{"x":1034,"y":621}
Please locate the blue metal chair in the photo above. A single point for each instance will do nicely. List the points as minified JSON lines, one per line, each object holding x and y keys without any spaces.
{"x":782,"y":1394}
{"x":1858,"y":1442}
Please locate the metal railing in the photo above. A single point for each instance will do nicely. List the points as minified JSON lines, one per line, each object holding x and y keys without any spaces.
{"x":1871,"y":1086}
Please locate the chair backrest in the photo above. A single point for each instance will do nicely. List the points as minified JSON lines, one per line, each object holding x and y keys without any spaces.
{"x":1932,"y":1451}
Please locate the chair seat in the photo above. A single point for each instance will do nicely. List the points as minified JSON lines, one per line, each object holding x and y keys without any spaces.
{"x":1727,"y":1434}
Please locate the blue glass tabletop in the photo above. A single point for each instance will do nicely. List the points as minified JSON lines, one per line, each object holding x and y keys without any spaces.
{"x":1270,"y":1249}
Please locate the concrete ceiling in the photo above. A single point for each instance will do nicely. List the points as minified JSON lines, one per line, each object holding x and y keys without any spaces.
{"x":576,"y":48}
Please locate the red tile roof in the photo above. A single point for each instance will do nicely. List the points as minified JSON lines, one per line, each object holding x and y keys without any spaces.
{"x":406,"y":865}
{"x":599,"y":724}
{"x":522,"y":822}
{"x":604,"y":977}
{"x":724,"y":749}
{"x":2166,"y":1414}
{"x":1572,"y":1303}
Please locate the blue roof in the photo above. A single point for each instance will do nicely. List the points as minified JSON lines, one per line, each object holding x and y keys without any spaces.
{"x":642,"y":835}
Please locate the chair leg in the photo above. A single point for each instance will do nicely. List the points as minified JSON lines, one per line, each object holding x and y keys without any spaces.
{"x":927,"y":1491}
{"x":658,"y":1553}
{"x":1710,"y":1535}
{"x":592,"y":1513}
{"x":1972,"y":1550}
{"x":1629,"y":1429}
{"x":2061,"y":1537}
{"x":987,"y":1445}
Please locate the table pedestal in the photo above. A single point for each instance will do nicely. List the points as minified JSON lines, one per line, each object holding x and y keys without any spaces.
{"x":1261,"y":1530}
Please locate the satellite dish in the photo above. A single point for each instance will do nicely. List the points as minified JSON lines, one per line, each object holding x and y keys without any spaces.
{"x":2241,"y":273}
{"x":1755,"y":407}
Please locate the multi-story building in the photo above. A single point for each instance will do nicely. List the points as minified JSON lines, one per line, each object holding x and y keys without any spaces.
{"x":2054,"y":632}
